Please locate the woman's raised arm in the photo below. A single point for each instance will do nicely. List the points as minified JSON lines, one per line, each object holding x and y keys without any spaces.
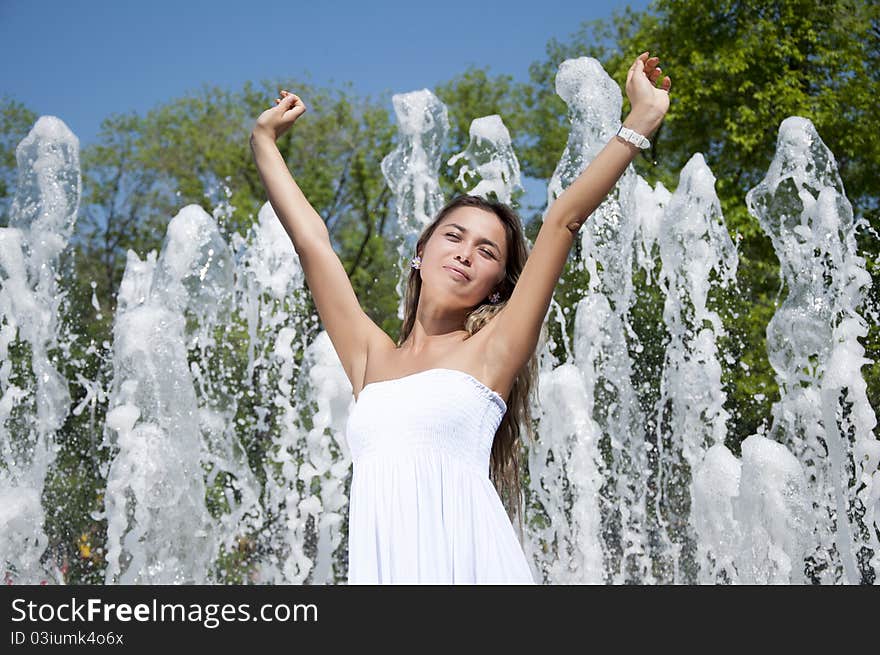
{"x":299,"y":218}
{"x":517,"y":327}
{"x":351,"y":331}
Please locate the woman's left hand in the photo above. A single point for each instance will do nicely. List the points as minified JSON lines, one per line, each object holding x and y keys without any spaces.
{"x":649,"y":102}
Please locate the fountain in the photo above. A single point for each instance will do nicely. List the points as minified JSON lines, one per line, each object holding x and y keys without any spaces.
{"x":489,"y":158}
{"x":34,"y":400}
{"x":601,"y":341}
{"x":411,"y":171}
{"x":155,"y":485}
{"x":823,"y":414}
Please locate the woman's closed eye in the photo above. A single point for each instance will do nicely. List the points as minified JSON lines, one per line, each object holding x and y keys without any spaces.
{"x":485,"y":251}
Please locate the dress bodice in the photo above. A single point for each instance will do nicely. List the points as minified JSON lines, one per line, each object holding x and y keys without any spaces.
{"x":438,"y":409}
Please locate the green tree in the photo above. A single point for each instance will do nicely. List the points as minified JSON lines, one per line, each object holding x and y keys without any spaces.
{"x":739,"y":69}
{"x":126,"y":204}
{"x":200,"y":145}
{"x":16,"y":121}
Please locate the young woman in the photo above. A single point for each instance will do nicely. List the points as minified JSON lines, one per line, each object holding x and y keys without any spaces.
{"x":438,"y":414}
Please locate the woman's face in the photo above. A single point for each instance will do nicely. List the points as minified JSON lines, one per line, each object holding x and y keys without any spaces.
{"x":473,"y":241}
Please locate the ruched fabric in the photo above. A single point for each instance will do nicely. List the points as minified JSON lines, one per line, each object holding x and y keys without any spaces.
{"x":422,"y":508}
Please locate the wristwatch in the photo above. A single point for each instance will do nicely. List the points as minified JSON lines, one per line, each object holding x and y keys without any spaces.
{"x":634,"y":138}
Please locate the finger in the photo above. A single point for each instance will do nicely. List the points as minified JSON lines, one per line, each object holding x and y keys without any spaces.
{"x":655,"y":75}
{"x":637,"y":68}
{"x":283,"y":103}
{"x":667,"y":83}
{"x":299,"y":108}
{"x":640,"y":66}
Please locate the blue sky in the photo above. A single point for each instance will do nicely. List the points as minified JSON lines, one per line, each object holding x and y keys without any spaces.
{"x":83,"y":60}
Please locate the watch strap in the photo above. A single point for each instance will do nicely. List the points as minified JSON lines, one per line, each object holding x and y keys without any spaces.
{"x":633,"y":137}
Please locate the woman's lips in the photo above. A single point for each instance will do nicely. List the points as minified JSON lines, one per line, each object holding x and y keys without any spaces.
{"x":457,"y":273}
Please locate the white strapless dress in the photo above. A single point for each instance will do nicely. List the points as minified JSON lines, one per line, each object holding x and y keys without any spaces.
{"x":422,"y":509}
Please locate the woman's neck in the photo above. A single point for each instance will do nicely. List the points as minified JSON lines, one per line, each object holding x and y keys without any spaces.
{"x":419,"y":342}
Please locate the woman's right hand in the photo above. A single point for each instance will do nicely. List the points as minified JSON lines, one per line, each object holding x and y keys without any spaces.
{"x":277,"y":120}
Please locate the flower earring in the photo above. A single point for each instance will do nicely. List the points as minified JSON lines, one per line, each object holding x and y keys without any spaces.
{"x":416,"y":262}
{"x":495,"y":297}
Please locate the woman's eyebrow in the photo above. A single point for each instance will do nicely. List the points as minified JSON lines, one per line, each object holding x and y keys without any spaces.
{"x":483,"y":240}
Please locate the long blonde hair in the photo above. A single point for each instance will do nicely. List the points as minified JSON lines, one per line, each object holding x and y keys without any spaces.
{"x":505,"y":461}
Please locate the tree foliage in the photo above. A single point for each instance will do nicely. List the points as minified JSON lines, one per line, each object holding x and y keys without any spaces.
{"x":739,"y":68}
{"x":15,"y":121}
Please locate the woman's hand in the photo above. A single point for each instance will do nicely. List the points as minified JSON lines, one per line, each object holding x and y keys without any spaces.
{"x":277,"y":120}
{"x":649,"y":102}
